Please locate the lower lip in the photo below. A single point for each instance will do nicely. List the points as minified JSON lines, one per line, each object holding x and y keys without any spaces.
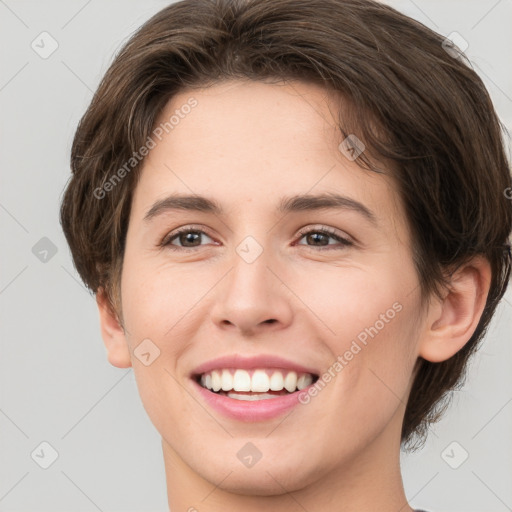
{"x":245,"y":410}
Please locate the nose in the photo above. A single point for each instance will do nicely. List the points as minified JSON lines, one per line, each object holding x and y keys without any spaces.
{"x":253,"y":297}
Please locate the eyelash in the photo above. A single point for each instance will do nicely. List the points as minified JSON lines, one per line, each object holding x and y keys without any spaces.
{"x":166,"y":242}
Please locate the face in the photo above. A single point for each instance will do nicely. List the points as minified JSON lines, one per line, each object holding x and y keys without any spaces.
{"x":271,"y":282}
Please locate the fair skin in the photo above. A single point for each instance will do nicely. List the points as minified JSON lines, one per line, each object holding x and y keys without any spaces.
{"x":246,"y":145}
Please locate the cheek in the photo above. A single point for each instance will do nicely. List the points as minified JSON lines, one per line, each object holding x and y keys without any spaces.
{"x":351,"y":303}
{"x":155,"y":298}
{"x":372,"y":331}
{"x":371,"y":380}
{"x":385,"y":364}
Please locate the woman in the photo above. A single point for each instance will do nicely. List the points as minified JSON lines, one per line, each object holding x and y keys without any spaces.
{"x":293,"y":215}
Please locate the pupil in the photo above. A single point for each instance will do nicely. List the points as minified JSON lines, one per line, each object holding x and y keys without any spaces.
{"x":187,"y":237}
{"x":316,"y":236}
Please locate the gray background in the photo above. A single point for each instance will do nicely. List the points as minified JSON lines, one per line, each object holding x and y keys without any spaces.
{"x":56,"y":385}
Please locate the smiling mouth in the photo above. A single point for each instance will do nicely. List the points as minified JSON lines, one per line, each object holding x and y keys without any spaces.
{"x":256,"y":384}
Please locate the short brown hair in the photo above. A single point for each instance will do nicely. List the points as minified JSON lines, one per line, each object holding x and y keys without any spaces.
{"x":410,"y":101}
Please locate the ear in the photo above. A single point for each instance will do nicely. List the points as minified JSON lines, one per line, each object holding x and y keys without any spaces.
{"x":112,"y":333}
{"x":452,"y":321}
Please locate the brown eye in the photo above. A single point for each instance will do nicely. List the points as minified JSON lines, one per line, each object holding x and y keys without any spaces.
{"x":187,"y":238}
{"x":320,"y":238}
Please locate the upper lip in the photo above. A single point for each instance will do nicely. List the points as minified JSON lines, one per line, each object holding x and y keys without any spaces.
{"x":253,"y":362}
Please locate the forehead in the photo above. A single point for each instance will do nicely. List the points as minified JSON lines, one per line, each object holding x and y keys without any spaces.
{"x":246,"y":119}
{"x":252,"y":143}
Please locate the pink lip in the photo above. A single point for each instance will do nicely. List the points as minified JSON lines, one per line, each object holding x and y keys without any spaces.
{"x":257,"y":410}
{"x":250,"y":411}
{"x":247,"y":363}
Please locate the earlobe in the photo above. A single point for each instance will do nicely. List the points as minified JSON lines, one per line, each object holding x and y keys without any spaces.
{"x":112,"y":332}
{"x":452,"y":321}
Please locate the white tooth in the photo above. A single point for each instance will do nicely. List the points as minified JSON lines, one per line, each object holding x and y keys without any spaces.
{"x":290,"y":381}
{"x":227,"y":380}
{"x":216,"y":382}
{"x":241,"y":381}
{"x":260,"y":381}
{"x":304,"y":381}
{"x":277,"y":381}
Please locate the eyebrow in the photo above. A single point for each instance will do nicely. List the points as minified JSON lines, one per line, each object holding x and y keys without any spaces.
{"x":297,"y":203}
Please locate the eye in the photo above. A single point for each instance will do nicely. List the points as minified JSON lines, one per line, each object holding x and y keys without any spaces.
{"x":188,"y":238}
{"x":320,"y":238}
